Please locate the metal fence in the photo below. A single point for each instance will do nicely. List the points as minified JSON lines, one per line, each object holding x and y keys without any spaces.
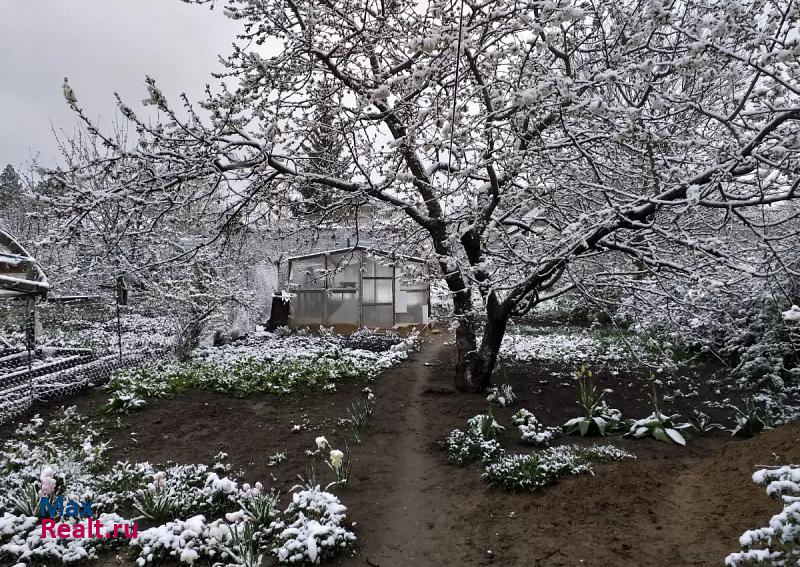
{"x":46,"y":374}
{"x":43,"y":373}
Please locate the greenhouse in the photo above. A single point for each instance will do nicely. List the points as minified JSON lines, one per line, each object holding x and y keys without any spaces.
{"x":358,"y":287}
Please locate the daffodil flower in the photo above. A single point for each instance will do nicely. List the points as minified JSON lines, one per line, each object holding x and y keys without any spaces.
{"x":336,"y":458}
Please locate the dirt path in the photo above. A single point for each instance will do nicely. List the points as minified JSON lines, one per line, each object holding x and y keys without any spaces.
{"x":404,"y":486}
{"x":672,"y":505}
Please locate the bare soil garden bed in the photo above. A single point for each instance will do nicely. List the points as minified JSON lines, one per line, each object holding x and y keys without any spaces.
{"x":671,"y":505}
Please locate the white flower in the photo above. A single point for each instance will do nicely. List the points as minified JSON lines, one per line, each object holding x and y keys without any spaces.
{"x":159,"y":480}
{"x":321,"y":443}
{"x":246,"y":487}
{"x":258,"y":488}
{"x":336,"y":458}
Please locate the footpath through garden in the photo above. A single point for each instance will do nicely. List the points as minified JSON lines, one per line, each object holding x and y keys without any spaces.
{"x":671,"y":505}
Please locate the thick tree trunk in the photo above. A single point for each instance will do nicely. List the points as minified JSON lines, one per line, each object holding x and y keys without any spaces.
{"x":475,"y":363}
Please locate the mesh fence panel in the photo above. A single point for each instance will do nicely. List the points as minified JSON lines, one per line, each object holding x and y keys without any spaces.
{"x":40,"y":359}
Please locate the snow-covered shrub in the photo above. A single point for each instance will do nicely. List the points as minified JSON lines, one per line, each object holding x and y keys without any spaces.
{"x":532,"y":472}
{"x":532,"y":431}
{"x":738,"y":320}
{"x":476,"y":443}
{"x":777,"y":544}
{"x":523,"y":417}
{"x":597,"y":418}
{"x":466,"y":447}
{"x":259,"y":506}
{"x":538,"y":435}
{"x":245,"y":546}
{"x":553,"y":344}
{"x":313,"y":529}
{"x":502,"y":396}
{"x":183,"y":489}
{"x":752,"y":420}
{"x":185,"y":541}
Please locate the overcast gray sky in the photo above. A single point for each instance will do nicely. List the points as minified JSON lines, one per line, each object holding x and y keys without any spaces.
{"x":103,"y":46}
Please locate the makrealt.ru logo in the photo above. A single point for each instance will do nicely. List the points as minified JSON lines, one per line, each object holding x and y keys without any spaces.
{"x":85,"y":526}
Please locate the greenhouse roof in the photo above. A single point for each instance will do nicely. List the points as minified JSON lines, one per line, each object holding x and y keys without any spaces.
{"x":354,"y":248}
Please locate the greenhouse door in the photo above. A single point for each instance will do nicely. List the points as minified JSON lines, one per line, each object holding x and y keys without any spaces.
{"x":377,"y":284}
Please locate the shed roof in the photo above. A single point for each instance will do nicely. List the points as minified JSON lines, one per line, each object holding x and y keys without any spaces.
{"x":20,"y":273}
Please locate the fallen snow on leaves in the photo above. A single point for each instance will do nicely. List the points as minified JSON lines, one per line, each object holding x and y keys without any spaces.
{"x":549,"y":345}
{"x":778,"y":543}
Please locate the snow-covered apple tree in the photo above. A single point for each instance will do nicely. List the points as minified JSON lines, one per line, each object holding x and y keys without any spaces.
{"x":531,"y":145}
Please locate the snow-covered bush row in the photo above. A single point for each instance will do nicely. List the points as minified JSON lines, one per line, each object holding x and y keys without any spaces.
{"x":184,"y":540}
{"x":65,"y":458}
{"x":777,"y":544}
{"x":548,"y":344}
{"x":263,"y":362}
{"x":140,"y":333}
{"x":531,"y":472}
{"x":523,"y":472}
{"x":284,"y":345}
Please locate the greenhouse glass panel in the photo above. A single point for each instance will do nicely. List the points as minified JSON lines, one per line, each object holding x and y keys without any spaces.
{"x":378,"y":316}
{"x":343,"y":308}
{"x":308,"y":307}
{"x":345,"y":268}
{"x":378,"y":266}
{"x":309,"y":274}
